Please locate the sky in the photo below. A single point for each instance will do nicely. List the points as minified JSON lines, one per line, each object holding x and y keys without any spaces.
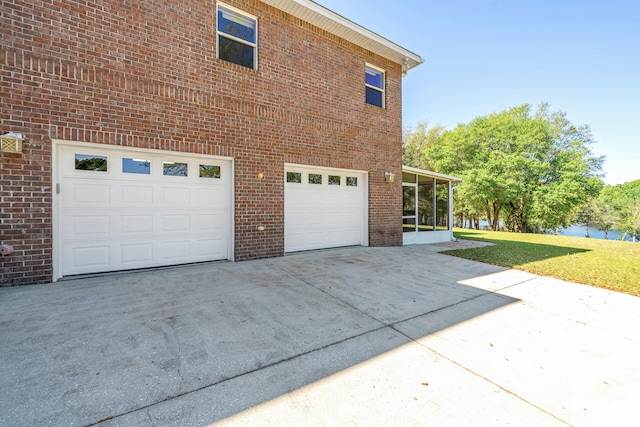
{"x":484,"y":56}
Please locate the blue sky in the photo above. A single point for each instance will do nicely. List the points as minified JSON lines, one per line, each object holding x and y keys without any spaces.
{"x":483,"y":56}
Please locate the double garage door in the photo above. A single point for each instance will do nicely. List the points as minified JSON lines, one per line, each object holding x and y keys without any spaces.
{"x":324,"y":208}
{"x":121,"y":209}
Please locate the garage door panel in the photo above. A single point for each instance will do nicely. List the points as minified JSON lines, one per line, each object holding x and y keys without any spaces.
{"x":211,"y":222}
{"x":135,"y":194}
{"x":176,"y":250}
{"x":211,"y":247}
{"x":315,"y":238}
{"x":136,"y":224}
{"x":314,"y":219}
{"x":91,"y":194}
{"x":90,"y":257}
{"x":90,"y":225}
{"x":215,"y":197}
{"x":294,"y":219}
{"x":175,"y":223}
{"x":115,"y":219}
{"x":175,"y":196}
{"x":338,"y":237}
{"x":350,"y":218}
{"x":137,"y":253}
{"x":335,"y":218}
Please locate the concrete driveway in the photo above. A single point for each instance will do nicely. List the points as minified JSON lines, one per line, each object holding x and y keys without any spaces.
{"x":354,"y":336}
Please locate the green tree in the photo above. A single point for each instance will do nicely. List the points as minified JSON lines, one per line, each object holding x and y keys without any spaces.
{"x":625,"y":200}
{"x":415,"y":143}
{"x":605,"y":217}
{"x":530,"y":170}
{"x":631,"y":219}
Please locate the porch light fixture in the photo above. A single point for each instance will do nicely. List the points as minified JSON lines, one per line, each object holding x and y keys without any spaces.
{"x":11,"y":142}
{"x":389,"y":177}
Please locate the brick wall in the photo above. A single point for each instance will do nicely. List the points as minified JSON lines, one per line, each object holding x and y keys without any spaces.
{"x":144,"y":74}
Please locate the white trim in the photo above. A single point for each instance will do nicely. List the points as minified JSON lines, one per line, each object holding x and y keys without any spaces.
{"x":56,"y":180}
{"x":296,"y":167}
{"x":426,"y":237}
{"x":231,"y":37}
{"x":382,"y":90}
{"x":430,"y":174}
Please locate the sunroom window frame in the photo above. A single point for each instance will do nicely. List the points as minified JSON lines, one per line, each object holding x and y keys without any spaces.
{"x":236,"y":39}
{"x":382,"y":90}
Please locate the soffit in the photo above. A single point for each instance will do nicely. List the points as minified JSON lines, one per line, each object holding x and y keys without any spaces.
{"x":330,"y":21}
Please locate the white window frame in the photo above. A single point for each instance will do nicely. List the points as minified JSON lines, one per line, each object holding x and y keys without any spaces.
{"x":229,"y":36}
{"x":368,"y":67}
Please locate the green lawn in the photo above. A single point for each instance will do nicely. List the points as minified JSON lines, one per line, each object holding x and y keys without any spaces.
{"x":603,"y":263}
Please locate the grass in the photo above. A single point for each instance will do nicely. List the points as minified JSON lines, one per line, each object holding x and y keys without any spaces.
{"x":605,"y":264}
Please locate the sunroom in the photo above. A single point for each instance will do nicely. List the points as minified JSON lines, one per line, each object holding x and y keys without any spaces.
{"x":427,"y":199}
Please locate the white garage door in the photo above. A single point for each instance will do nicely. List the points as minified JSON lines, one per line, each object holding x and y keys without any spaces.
{"x":324,"y":208}
{"x":122,"y":209}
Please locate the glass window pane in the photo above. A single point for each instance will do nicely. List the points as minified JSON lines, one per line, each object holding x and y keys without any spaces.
{"x":315,"y":178}
{"x":207,"y":171}
{"x":409,"y":201}
{"x":374,"y":97}
{"x":374,"y":77}
{"x":140,"y":166}
{"x":295,"y":177}
{"x":425,"y":207}
{"x":352,"y":181}
{"x":236,"y":24}
{"x":408,"y":224}
{"x":89,"y":162}
{"x":236,"y":52}
{"x":442,"y":206}
{"x":175,"y":169}
{"x":334,"y":180}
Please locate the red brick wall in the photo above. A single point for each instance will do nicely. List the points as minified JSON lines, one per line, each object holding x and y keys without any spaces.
{"x":144,"y":74}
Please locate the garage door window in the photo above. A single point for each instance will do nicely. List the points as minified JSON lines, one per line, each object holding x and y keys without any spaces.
{"x":352,"y":181}
{"x":315,"y":178}
{"x":294,"y":177}
{"x":207,"y":171}
{"x":88,"y":162}
{"x":140,"y":166}
{"x":175,"y":169}
{"x":334,"y":179}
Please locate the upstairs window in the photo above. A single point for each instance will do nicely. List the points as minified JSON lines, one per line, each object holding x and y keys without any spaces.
{"x":237,"y":35}
{"x":374,"y":86}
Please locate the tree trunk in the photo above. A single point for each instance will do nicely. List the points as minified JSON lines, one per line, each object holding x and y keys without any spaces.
{"x":586,"y":232}
{"x":496,"y":216}
{"x":489,"y":216}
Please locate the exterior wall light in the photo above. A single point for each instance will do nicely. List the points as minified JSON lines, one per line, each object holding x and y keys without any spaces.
{"x":11,"y":142}
{"x":389,"y":177}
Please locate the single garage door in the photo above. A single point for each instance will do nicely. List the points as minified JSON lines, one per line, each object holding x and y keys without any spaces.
{"x":324,"y":208}
{"x":121,"y":209}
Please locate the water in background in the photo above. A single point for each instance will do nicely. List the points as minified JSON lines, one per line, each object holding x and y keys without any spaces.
{"x":578,"y":230}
